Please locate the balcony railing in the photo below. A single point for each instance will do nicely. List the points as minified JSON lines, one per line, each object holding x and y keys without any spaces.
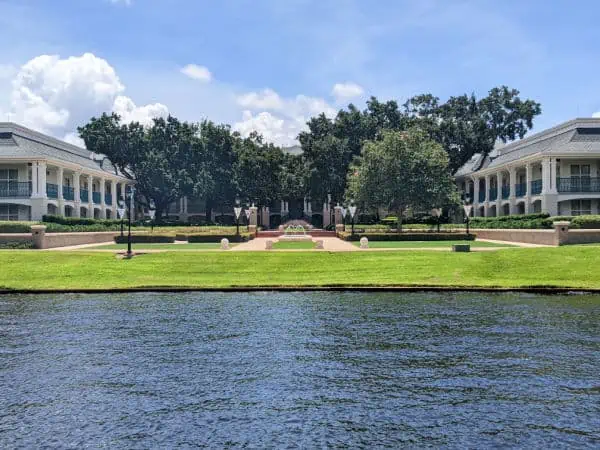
{"x":96,"y":197}
{"x":536,"y":187}
{"x":521,"y":189}
{"x":52,"y":190}
{"x":493,"y":195}
{"x":108,"y":199}
{"x":505,"y":192}
{"x":15,"y":189}
{"x":84,"y":195}
{"x":68,"y":193}
{"x":481,"y":196}
{"x":578,"y":184}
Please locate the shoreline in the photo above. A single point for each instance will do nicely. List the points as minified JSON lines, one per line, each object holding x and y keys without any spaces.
{"x":547,"y":290}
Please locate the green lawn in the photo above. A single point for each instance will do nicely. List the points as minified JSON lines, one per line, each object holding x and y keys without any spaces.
{"x":192,"y":246}
{"x":291,"y":245}
{"x":573,"y":267}
{"x":429,"y":244}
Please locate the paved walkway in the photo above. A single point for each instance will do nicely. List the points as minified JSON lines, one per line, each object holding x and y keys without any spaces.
{"x":330,"y":244}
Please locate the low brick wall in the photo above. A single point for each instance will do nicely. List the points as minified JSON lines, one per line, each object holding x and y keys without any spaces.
{"x":54,"y":240}
{"x":541,"y":237}
{"x":15,"y":237}
{"x":583,"y":236}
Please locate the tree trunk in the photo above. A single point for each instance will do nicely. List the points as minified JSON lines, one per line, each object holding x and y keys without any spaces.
{"x":399,"y":226}
{"x":208,"y":210}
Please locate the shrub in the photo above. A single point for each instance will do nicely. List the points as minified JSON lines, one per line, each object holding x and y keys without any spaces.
{"x":16,"y":245}
{"x":146,"y":239}
{"x":15,"y":227}
{"x":79,"y":220}
{"x":524,"y":221}
{"x":59,"y":228}
{"x":585,"y":222}
{"x":243,"y":237}
{"x":407,"y":236}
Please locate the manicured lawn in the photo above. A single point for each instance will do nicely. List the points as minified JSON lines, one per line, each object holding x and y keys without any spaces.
{"x":574,"y":267}
{"x":290,"y":245}
{"x":429,"y":244}
{"x":192,"y":246}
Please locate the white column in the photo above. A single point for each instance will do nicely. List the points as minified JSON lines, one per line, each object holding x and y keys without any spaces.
{"x":113,"y":193}
{"x":512,"y":179}
{"x":34,"y":179}
{"x":77,"y":194}
{"x":90,"y":213}
{"x":487,"y":196}
{"x":102,"y":199}
{"x":60,"y":175}
{"x":553,"y":187}
{"x":546,"y":176}
{"x":528,"y":188}
{"x":476,"y":194}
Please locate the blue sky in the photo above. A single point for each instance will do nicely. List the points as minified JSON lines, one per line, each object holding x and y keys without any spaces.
{"x":270,"y":64}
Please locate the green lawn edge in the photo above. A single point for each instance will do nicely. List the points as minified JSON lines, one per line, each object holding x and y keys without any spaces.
{"x":564,"y":267}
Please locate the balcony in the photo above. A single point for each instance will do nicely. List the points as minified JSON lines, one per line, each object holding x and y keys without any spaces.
{"x":84,"y":195}
{"x":15,"y":189}
{"x":52,"y":190}
{"x":108,"y":199}
{"x":96,"y":198}
{"x":536,"y":187}
{"x":481,"y":196}
{"x":493,"y":195}
{"x":578,"y":184}
{"x":68,"y":193}
{"x":505,"y":192}
{"x":521,"y":189}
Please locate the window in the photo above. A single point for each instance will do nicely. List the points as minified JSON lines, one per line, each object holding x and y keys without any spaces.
{"x":580,"y":177}
{"x":581,"y":207}
{"x":9,"y":212}
{"x":9,"y":179}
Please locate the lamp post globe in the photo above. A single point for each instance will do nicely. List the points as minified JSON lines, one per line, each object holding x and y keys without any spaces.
{"x":352,"y":209}
{"x":237,"y":209}
{"x":467,"y":207}
{"x":121,"y":212}
{"x":152,"y":214}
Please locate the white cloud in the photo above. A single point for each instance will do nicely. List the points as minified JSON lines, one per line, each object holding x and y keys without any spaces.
{"x":196,"y":72}
{"x":129,"y":112}
{"x":55,"y":95}
{"x":74,"y":139}
{"x":344,"y":91}
{"x":279,"y":120}
{"x":596,"y":115}
{"x":265,"y":99}
{"x":123,"y":2}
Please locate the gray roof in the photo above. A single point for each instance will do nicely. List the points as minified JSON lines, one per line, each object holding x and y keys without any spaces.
{"x":22,"y":143}
{"x":578,"y":136}
{"x":293,"y":150}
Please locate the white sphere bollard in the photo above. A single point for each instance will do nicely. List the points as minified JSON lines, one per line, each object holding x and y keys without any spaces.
{"x":364,"y":242}
{"x":269,"y":245}
{"x":224,"y":244}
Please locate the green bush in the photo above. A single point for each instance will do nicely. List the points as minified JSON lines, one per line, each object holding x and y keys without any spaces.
{"x":16,"y":245}
{"x":15,"y":227}
{"x":146,"y":239}
{"x":243,"y":237}
{"x":72,"y":221}
{"x":408,"y":236}
{"x":59,"y":228}
{"x":523,"y":221}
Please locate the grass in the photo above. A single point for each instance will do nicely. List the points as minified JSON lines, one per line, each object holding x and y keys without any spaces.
{"x":291,"y":245}
{"x":430,"y":244}
{"x":571,"y":267}
{"x":178,"y":247}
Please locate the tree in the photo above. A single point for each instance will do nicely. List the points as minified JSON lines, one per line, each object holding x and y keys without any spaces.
{"x":402,"y":170}
{"x":155,"y":157}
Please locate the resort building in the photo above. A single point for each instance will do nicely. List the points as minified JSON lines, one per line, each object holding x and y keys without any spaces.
{"x":41,"y":175}
{"x":556,"y":171}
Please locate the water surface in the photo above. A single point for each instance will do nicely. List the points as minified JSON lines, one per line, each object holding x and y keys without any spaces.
{"x":299,"y":370}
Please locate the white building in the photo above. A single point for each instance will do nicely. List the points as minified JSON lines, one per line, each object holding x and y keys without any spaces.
{"x":556,"y":171}
{"x":42,"y":175}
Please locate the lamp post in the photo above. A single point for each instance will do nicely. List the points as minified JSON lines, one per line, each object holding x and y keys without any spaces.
{"x":344,"y":211}
{"x":129,"y":213}
{"x":352,"y":209}
{"x":121,"y":212}
{"x":237,"y":209}
{"x":437,"y":212}
{"x":467,"y":207}
{"x":247,"y":213}
{"x":152,"y":214}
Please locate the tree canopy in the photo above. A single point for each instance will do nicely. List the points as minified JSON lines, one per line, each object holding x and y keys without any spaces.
{"x":402,"y":170}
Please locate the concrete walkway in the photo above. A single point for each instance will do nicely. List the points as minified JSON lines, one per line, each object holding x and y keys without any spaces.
{"x":330,"y":244}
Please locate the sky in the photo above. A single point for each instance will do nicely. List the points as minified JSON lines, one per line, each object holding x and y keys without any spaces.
{"x":269,"y":65}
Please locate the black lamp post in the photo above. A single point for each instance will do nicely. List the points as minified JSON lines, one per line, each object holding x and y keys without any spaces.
{"x":352,"y":209}
{"x":130,"y":212}
{"x":152,"y":214}
{"x":121,"y":212}
{"x":237,"y":209}
{"x":467,"y":207}
{"x":437,"y":212}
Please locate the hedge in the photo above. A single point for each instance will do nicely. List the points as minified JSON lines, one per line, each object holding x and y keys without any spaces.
{"x":15,"y":227}
{"x":79,"y":221}
{"x":585,"y":222}
{"x":523,"y":221}
{"x":16,"y":245}
{"x":146,"y":239}
{"x":243,"y":237}
{"x":408,"y":236}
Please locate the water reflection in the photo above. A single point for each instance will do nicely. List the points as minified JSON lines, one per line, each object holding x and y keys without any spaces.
{"x":309,"y":369}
